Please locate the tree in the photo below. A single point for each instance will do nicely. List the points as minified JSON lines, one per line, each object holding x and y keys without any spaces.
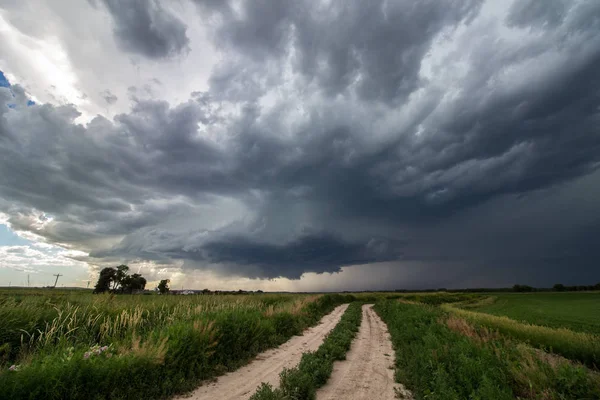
{"x":163,"y":286}
{"x":559,"y":287}
{"x":107,"y":276}
{"x":120,"y":275}
{"x":117,"y":280}
{"x":522,"y":288}
{"x":130,"y":283}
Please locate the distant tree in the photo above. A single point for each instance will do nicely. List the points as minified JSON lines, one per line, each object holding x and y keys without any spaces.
{"x":131,"y":283}
{"x":559,"y":287}
{"x":522,"y":288}
{"x":107,"y":276}
{"x":163,"y":286}
{"x":117,"y":280}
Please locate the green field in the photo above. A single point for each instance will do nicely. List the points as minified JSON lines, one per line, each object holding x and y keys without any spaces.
{"x":579,"y":311}
{"x":75,"y":345}
{"x":441,"y":356}
{"x":70,"y":344}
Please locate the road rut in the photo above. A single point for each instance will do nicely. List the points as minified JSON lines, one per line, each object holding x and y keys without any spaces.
{"x":367,"y":372}
{"x":243,"y":382}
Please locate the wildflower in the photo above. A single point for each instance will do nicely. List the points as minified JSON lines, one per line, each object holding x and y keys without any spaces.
{"x":86,"y":355}
{"x":14,"y":367}
{"x":104,"y":348}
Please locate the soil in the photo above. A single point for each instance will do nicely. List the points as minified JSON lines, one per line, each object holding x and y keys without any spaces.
{"x":368,"y":371}
{"x":266,"y":367}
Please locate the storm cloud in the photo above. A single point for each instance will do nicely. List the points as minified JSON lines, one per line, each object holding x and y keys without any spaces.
{"x":147,"y":28}
{"x":329,"y":135}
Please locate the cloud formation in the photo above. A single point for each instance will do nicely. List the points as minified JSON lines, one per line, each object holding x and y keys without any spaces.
{"x":147,"y":28}
{"x":332,"y":134}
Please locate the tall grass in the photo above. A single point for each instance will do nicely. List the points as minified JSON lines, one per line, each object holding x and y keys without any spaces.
{"x":36,"y":323}
{"x":443,"y":356}
{"x":579,"y":346}
{"x":155,"y":345}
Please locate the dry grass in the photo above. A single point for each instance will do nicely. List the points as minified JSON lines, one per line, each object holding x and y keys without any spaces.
{"x":153,"y":350}
{"x":536,"y":374}
{"x":579,"y":346}
{"x":460,"y":325}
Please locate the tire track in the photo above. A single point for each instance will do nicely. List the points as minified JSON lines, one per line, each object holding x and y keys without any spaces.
{"x":266,"y":367}
{"x":368,"y":371}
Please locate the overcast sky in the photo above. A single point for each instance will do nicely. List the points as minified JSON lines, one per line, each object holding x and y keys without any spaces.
{"x":301,"y":144}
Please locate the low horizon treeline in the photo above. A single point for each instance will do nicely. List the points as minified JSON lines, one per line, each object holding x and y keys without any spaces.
{"x":559,"y":287}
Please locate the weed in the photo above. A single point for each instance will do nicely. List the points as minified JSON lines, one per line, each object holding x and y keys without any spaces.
{"x":302,"y":382}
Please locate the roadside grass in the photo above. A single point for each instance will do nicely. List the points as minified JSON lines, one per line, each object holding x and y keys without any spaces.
{"x":578,"y":346}
{"x":37,"y":324}
{"x":442,"y":356}
{"x":577,"y":311}
{"x":315,"y":368}
{"x":120,"y":347}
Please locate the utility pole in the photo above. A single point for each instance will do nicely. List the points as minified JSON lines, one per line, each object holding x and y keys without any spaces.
{"x":57,"y":276}
{"x":27,"y":280}
{"x":88,"y":284}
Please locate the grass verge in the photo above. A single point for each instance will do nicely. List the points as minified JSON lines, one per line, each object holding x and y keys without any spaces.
{"x":442,"y":356}
{"x":315,"y":368}
{"x":166,"y":360}
{"x":578,"y":346}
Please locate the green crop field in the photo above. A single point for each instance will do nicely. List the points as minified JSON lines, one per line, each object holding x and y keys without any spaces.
{"x":579,"y":311}
{"x":71,"y":344}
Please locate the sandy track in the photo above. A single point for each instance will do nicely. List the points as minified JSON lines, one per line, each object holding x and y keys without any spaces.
{"x":243,"y":382}
{"x":367,"y":372}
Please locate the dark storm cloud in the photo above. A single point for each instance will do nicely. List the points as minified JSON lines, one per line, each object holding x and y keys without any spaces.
{"x":323,"y":143}
{"x":377,"y":45}
{"x":251,"y":257}
{"x":315,"y":253}
{"x":147,"y":28}
{"x":537,"y":12}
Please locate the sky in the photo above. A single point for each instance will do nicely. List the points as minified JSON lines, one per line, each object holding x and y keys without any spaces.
{"x":301,"y":145}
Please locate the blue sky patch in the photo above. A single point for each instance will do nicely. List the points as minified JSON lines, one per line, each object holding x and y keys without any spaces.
{"x":9,"y":238}
{"x":3,"y":81}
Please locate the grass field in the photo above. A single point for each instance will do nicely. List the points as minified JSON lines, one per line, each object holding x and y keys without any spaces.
{"x":442,"y":356}
{"x":75,"y":345}
{"x":579,"y":311}
{"x":61,"y":344}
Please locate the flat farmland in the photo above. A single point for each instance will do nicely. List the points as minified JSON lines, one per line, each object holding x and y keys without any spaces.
{"x":578,"y":311}
{"x":61,"y":344}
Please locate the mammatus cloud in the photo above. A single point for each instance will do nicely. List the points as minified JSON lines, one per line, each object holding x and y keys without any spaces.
{"x":330,"y":135}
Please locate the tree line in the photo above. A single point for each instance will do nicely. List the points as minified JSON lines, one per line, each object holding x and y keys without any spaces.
{"x":559,"y":287}
{"x":118,"y":280}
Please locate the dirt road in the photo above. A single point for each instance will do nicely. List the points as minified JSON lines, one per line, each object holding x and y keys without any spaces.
{"x":242,"y":383}
{"x":367,"y":372}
